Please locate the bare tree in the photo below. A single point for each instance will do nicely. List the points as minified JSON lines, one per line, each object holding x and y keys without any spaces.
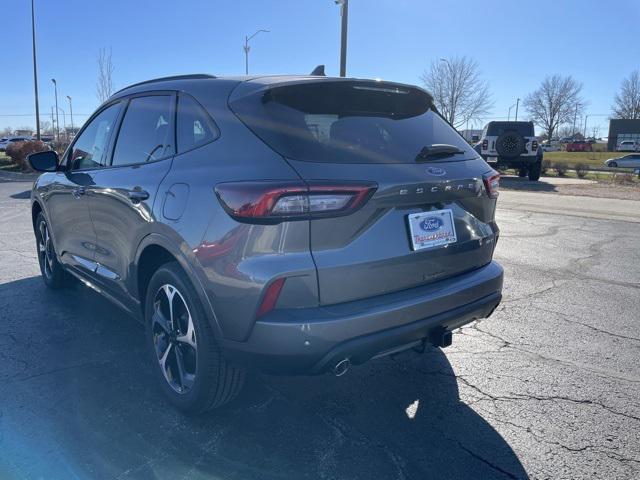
{"x":556,"y":102}
{"x":627,"y":100}
{"x":458,"y":91}
{"x":104,"y":86}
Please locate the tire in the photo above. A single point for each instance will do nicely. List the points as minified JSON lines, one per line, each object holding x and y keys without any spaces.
{"x":510,"y":145}
{"x":53,"y":274}
{"x":535,"y":169}
{"x":613,"y":164}
{"x":523,"y":172}
{"x":185,"y":356}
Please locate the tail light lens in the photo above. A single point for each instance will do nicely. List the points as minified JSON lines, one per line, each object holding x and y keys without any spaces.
{"x":492,"y":184}
{"x":273,"y":202}
{"x":485,"y":144}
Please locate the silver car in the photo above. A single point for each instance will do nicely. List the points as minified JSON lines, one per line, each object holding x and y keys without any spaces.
{"x":295,"y":225}
{"x":626,"y":161}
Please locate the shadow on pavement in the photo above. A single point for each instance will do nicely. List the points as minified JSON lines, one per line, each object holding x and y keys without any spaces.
{"x":78,"y":401}
{"x":524,"y":184}
{"x":22,"y":195}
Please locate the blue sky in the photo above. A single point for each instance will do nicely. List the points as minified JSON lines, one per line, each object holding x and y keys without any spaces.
{"x":516,"y":43}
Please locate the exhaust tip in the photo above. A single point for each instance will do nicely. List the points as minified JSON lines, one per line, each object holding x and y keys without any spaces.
{"x":341,"y":367}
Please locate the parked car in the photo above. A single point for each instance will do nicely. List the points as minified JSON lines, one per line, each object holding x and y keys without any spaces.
{"x":512,"y":145}
{"x":626,"y":161}
{"x":5,"y":142}
{"x":579,"y":146}
{"x":288,"y":224}
{"x":550,"y":147}
{"x":629,"y":146}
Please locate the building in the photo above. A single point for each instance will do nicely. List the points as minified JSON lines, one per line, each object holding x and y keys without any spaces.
{"x":620,"y":130}
{"x":470,"y":134}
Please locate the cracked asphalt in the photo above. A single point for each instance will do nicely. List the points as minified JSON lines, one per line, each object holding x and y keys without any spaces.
{"x":548,"y":387}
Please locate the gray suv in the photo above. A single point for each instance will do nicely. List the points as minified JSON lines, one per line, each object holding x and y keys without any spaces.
{"x":294,"y":225}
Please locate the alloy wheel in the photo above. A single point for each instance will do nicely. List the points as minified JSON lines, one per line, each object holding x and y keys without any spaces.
{"x":174,"y":339}
{"x":46,"y":253}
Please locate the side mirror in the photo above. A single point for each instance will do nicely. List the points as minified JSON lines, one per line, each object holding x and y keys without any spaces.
{"x":44,"y":161}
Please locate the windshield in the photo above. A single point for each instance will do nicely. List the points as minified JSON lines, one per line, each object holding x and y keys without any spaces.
{"x":347,"y":122}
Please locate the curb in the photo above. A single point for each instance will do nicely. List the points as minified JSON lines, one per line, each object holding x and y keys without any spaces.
{"x":18,"y":176}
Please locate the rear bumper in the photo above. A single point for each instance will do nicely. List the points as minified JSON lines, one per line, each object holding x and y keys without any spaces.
{"x":520,"y":160}
{"x":313,"y":340}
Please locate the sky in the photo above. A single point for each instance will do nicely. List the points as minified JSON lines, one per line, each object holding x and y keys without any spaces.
{"x":516,"y":44}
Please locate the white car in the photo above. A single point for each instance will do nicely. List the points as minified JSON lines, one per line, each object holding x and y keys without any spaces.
{"x":6,"y":141}
{"x":629,"y":146}
{"x":550,"y":148}
{"x":627,"y":161}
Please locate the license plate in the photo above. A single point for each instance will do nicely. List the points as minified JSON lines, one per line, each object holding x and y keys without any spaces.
{"x":432,"y":229}
{"x":492,"y":159}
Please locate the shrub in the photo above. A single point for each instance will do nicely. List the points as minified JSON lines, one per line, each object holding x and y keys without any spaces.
{"x":560,"y":168}
{"x":546,"y":165}
{"x":19,"y":151}
{"x":623,"y":178}
{"x":581,"y":169}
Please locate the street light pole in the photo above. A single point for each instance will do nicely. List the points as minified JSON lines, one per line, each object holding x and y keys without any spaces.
{"x":509,"y":114}
{"x":586,"y":117}
{"x":35,"y":69}
{"x":344,"y":13}
{"x":55,"y":87}
{"x":247,"y":48}
{"x":517,"y":104}
{"x":64,"y":122}
{"x":71,"y":113}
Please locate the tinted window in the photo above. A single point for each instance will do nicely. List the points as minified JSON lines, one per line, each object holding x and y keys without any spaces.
{"x":89,"y":149}
{"x":145,"y":134}
{"x":496,"y":129}
{"x":347,"y":122}
{"x":195,"y":127}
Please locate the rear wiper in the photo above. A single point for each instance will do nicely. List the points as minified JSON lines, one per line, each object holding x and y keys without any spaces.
{"x":437,"y":150}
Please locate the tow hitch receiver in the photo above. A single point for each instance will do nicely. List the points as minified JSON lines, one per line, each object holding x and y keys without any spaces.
{"x":441,"y":337}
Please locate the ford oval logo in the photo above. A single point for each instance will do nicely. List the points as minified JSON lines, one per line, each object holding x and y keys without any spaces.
{"x":431,"y":224}
{"x":438,"y":172}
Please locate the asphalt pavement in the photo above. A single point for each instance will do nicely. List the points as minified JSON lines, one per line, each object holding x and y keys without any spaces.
{"x":548,"y":387}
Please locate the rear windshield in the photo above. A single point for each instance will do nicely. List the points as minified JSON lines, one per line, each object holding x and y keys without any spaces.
{"x":347,"y":122}
{"x":495,"y":129}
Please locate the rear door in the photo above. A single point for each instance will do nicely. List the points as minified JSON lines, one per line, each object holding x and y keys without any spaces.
{"x":341,"y":131}
{"x":123,"y":194}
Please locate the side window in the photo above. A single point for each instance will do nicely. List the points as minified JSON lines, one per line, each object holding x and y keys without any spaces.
{"x":145,"y":134}
{"x":90,"y":148}
{"x":195,"y":127}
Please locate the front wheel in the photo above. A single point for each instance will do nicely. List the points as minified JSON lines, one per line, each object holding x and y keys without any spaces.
{"x":53,"y":273}
{"x":185,"y":355}
{"x":613,"y":164}
{"x":535,"y":170}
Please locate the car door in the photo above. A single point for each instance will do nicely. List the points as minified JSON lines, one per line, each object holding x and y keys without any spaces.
{"x":66,"y":200}
{"x":124,"y":192}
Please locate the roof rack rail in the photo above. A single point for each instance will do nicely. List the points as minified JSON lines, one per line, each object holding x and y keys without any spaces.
{"x":194,"y":76}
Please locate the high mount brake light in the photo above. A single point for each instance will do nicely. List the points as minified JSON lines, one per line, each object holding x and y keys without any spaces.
{"x":492,"y":183}
{"x":273,"y":201}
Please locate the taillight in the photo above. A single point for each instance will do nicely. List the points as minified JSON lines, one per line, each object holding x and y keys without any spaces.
{"x":485,"y":144}
{"x":492,"y":183}
{"x":534,"y":145}
{"x":273,"y":201}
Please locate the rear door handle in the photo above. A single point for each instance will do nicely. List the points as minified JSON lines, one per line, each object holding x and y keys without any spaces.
{"x":137,"y":195}
{"x":78,"y":192}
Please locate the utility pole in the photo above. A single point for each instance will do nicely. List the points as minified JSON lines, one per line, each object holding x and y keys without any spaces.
{"x":575,"y":117}
{"x":35,"y":70}
{"x":71,"y":112}
{"x":247,"y":48}
{"x":586,"y":117}
{"x":344,"y":13}
{"x":55,"y":87}
{"x":517,"y":104}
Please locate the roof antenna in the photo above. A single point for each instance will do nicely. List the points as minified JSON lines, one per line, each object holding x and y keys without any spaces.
{"x":318,"y":71}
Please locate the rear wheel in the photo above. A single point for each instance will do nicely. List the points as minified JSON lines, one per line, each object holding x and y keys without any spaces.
{"x":523,"y":172}
{"x":613,"y":164}
{"x":184,"y":353}
{"x":53,"y":273}
{"x":535,"y":169}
